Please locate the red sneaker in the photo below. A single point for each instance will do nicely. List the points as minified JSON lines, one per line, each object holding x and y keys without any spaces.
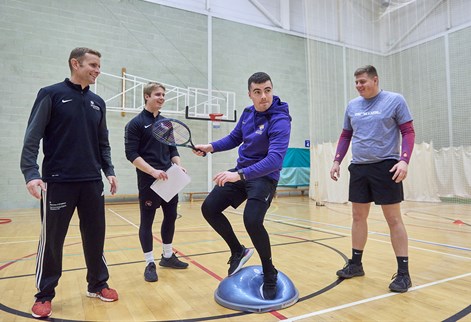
{"x":41,"y":309}
{"x":106,"y":294}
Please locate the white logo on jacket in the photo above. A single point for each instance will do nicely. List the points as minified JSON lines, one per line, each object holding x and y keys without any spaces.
{"x":260,"y":129}
{"x":95,"y":107}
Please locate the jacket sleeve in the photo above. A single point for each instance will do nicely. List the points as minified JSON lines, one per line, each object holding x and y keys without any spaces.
{"x":105,"y":148}
{"x":234,"y":139}
{"x":38,"y":120}
{"x":173,"y":152}
{"x":131,"y":141}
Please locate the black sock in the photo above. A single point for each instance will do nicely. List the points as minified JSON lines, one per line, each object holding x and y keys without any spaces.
{"x":403,"y":264}
{"x":356,"y":256}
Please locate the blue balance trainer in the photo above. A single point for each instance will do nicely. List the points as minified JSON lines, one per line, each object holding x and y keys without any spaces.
{"x":242,"y":292}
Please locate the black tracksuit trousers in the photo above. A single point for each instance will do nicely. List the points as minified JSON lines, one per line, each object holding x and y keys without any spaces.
{"x":58,"y":204}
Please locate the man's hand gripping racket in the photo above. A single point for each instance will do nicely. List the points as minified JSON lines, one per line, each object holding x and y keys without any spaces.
{"x":173,"y":132}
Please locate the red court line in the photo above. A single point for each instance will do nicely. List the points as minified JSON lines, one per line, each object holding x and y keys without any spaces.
{"x":216,"y":276}
{"x":16,"y":260}
{"x":13,"y":261}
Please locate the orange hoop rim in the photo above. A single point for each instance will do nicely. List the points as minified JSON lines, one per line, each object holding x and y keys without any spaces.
{"x":214,"y":117}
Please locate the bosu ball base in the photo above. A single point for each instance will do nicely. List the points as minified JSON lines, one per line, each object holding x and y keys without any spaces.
{"x":242,"y":292}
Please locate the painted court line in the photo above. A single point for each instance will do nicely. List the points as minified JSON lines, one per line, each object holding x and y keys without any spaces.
{"x":371,"y":299}
{"x":379,"y":234}
{"x":126,"y":220}
{"x":208,"y":271}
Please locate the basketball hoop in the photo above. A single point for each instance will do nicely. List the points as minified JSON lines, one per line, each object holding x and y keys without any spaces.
{"x":216,"y":119}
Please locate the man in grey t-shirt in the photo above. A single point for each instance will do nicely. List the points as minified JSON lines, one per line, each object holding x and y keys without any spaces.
{"x":374,"y":123}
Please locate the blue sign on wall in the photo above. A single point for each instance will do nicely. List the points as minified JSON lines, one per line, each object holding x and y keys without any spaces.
{"x":307,"y":143}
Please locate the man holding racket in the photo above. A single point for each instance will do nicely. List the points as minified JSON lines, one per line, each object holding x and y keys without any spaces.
{"x":374,"y":123}
{"x":71,"y":122}
{"x":151,"y":159}
{"x":262,"y":135}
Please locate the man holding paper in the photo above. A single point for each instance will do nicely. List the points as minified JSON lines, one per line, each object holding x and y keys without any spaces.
{"x":152,"y":159}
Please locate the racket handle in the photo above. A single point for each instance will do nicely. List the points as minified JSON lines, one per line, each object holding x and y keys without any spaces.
{"x":204,"y":153}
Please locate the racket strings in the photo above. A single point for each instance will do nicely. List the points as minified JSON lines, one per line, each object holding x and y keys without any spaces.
{"x":171,"y":132}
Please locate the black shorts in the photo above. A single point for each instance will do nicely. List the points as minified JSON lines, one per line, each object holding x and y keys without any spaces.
{"x":148,"y":198}
{"x":235,"y":193}
{"x":373,"y":182}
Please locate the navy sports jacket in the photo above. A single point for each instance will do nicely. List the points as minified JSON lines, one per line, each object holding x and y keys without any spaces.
{"x":71,"y":122}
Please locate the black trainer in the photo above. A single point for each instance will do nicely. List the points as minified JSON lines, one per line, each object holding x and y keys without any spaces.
{"x":172,"y":262}
{"x":268,"y":288}
{"x":150,"y":273}
{"x":236,"y":261}
{"x":351,"y":270}
{"x":401,"y":282}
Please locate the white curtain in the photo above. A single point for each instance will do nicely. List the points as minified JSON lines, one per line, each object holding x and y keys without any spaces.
{"x":421,"y":182}
{"x":325,"y":189}
{"x":432,"y":174}
{"x":453,"y":171}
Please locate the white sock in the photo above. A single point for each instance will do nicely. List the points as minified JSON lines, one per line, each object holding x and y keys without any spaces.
{"x":167,"y":250}
{"x":149,"y":257}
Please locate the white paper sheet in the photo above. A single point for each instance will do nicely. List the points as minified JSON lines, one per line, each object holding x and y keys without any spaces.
{"x":177,"y":180}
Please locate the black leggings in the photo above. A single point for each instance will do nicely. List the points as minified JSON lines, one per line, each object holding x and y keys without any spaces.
{"x":167,"y":230}
{"x":259,"y":193}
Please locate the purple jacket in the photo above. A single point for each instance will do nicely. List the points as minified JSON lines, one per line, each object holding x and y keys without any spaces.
{"x":265,"y":138}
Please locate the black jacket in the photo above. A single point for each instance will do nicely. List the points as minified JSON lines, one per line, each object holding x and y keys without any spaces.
{"x":139,"y":142}
{"x":72,"y":125}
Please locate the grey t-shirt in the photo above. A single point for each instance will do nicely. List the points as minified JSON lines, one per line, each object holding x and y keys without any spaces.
{"x":375,"y":125}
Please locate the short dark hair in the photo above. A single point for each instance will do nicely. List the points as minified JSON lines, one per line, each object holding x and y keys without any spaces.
{"x":79,"y":52}
{"x":259,"y":78}
{"x":368,"y":69}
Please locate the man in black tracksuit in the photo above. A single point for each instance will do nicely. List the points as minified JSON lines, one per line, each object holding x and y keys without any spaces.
{"x":71,"y":122}
{"x":151,"y":159}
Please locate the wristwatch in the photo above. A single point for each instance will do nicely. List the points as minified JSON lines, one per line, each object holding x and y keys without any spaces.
{"x":241,"y":174}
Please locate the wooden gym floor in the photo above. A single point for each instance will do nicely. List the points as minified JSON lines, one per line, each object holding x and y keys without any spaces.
{"x":310,"y":243}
